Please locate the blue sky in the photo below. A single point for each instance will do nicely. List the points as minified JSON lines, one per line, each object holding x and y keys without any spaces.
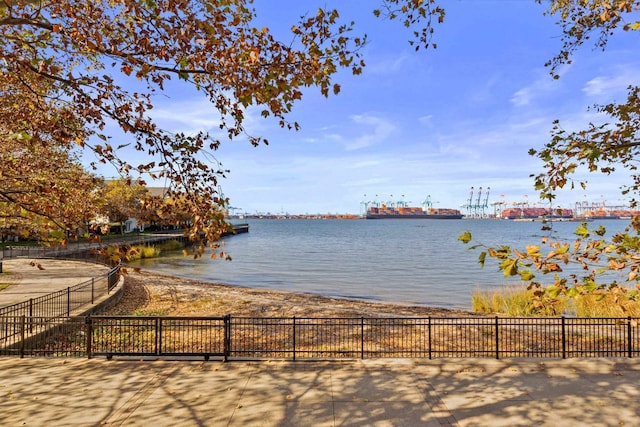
{"x":433,"y":122}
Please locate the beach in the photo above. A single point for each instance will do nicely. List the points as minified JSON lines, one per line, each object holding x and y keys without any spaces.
{"x":150,"y":293}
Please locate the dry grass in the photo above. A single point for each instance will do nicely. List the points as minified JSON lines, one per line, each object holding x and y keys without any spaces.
{"x":517,"y":301}
{"x":606,"y":306}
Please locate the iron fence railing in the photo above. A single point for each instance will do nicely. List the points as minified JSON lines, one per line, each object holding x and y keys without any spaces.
{"x":295,"y":338}
{"x":85,"y":250}
{"x":58,"y":304}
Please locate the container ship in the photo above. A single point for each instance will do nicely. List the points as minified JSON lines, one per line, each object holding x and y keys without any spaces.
{"x":536,"y":213}
{"x":386,"y":212}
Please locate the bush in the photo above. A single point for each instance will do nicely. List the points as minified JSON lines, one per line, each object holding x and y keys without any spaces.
{"x":142,"y":252}
{"x":170,"y":245}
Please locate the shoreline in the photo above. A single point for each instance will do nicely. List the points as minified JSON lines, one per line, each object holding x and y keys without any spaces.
{"x":152,"y":293}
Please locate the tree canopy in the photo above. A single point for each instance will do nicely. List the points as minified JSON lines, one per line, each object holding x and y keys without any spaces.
{"x":600,"y":147}
{"x":66,"y":67}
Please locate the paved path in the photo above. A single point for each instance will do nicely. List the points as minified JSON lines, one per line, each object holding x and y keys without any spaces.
{"x":30,"y":281}
{"x":392,"y":392}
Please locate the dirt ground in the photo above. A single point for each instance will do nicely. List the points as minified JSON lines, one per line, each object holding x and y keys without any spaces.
{"x":148,"y":293}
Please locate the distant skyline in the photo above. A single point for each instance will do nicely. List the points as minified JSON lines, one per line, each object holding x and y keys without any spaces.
{"x":433,"y":122}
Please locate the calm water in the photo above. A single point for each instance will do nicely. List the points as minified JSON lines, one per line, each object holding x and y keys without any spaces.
{"x":403,"y":261}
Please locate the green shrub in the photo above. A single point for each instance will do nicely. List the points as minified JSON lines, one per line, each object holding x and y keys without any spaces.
{"x":141,"y":252}
{"x":170,"y":245}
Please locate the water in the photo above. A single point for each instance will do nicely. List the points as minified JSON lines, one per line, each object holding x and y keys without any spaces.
{"x":419,"y":262}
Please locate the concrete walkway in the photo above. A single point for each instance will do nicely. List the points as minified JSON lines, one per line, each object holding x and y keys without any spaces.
{"x":393,"y":392}
{"x":48,"y":275}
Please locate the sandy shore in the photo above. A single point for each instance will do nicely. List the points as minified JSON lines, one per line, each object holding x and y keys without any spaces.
{"x":148,"y":293}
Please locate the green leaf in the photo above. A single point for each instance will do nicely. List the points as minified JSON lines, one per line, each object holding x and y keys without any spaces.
{"x":572,"y":292}
{"x":590,"y":286}
{"x":465,"y":237}
{"x":582,"y":230}
{"x":526,"y":275}
{"x":552,"y":292}
{"x":509,"y":267}
{"x":481,"y":258}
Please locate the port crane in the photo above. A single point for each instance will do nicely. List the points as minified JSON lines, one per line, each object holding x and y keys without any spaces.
{"x":477,"y":208}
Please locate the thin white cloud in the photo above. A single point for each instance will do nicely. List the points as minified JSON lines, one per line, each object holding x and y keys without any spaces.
{"x":376,"y":130}
{"x":613,"y":83}
{"x":426,"y":120}
{"x":187,"y":116}
{"x":541,"y":87}
{"x":388,"y":65}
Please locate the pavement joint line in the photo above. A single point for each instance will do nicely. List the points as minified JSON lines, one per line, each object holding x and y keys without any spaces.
{"x":440,"y":410}
{"x":333,"y":399}
{"x":237,"y":405}
{"x":120,"y":415}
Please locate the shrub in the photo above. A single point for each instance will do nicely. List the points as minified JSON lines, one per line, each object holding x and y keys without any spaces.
{"x":141,"y":252}
{"x":170,"y":245}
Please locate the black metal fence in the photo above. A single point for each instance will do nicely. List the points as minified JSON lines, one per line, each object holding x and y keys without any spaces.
{"x":65,"y":301}
{"x":55,"y":305}
{"x":230,"y":337}
{"x":84,"y":250}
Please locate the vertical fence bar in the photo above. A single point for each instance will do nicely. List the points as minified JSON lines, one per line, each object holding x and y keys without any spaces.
{"x":92,"y":288}
{"x":564,"y":338}
{"x":31,"y":313}
{"x":89,"y":333}
{"x":362,"y":337}
{"x":68,"y":301}
{"x":23,"y":320}
{"x":158,"y":344}
{"x":429,"y":336}
{"x":294,"y":338}
{"x":629,"y":338}
{"x":227,"y":337}
{"x":497,"y":339}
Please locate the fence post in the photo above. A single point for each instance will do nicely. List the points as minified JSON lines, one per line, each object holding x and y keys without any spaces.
{"x":68,"y":301}
{"x":88,"y":321}
{"x":564,"y":338}
{"x":92,"y":288}
{"x":22,"y":334}
{"x":158,"y":343}
{"x":31,"y":315}
{"x":429,"y":336}
{"x":497,"y":340}
{"x":227,"y":336}
{"x":629,"y":338}
{"x":294,"y":338}
{"x":362,"y":337}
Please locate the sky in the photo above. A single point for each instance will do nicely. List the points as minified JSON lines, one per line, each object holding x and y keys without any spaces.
{"x":416,"y":124}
